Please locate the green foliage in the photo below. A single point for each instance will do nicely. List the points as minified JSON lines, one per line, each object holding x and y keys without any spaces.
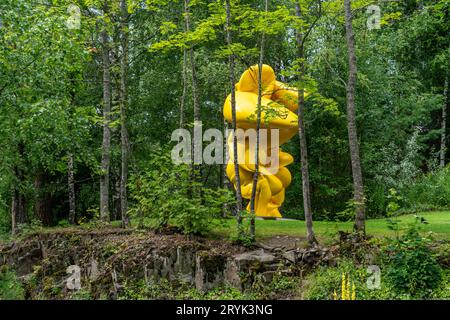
{"x":166,"y":193}
{"x":163,"y":289}
{"x":322,"y":283}
{"x":348,"y":213}
{"x":226,"y":293}
{"x":241,"y":235}
{"x":10,"y":286}
{"x":280,"y":286}
{"x":393,"y":205}
{"x":30,"y":228}
{"x":81,"y":294}
{"x":392,"y":209}
{"x":63,"y":223}
{"x":5,"y":223}
{"x":410,"y":266}
{"x":409,"y":270}
{"x":443,"y":291}
{"x":195,"y":216}
{"x":429,"y":191}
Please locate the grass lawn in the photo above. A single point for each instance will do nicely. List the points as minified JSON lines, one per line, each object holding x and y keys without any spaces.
{"x":438,"y":223}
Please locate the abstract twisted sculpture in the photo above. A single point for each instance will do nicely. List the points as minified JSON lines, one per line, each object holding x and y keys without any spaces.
{"x":278,"y":104}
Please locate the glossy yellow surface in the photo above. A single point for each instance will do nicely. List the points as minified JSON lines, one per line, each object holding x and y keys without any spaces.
{"x":279,"y":105}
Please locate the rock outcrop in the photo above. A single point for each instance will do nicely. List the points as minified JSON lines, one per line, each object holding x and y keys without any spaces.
{"x":106,"y":259}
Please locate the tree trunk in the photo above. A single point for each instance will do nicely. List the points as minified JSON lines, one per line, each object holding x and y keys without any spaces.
{"x":71,"y":187}
{"x":196,"y":147}
{"x":195,"y":94}
{"x":444,"y":126}
{"x":124,"y":144}
{"x":183,"y":97}
{"x":225,"y":182}
{"x":18,"y":209}
{"x":358,"y":187}
{"x":43,"y":204}
{"x":116,"y":213}
{"x":233,"y":118}
{"x":302,"y":135}
{"x":18,"y":202}
{"x":22,"y":209}
{"x":106,"y":144}
{"x":14,"y":212}
{"x":258,"y":126}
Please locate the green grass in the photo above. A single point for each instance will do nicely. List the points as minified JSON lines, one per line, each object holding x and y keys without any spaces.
{"x":438,"y":223}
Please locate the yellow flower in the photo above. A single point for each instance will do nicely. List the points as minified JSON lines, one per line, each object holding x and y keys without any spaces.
{"x":343,"y":294}
{"x":353,"y":292}
{"x":348,"y":292}
{"x":347,"y":289}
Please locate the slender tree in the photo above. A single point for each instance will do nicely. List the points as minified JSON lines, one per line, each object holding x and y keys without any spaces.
{"x":306,"y":189}
{"x":358,"y":187}
{"x":258,"y":126}
{"x":106,"y":143}
{"x":124,"y":144}
{"x":184,"y":74}
{"x":70,"y":158}
{"x":444,"y":125}
{"x":18,"y":203}
{"x":184,"y":94}
{"x":231,"y":69}
{"x":71,"y":185}
{"x":194,"y":86}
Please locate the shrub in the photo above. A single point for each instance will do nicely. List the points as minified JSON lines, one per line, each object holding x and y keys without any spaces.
{"x":5,"y":225}
{"x":195,"y":215}
{"x":10,"y":286}
{"x":348,"y":214}
{"x":226,"y":293}
{"x":33,"y":226}
{"x":410,"y":266}
{"x":443,"y":291}
{"x":428,"y":192}
{"x":325,"y":281}
{"x":166,"y":193}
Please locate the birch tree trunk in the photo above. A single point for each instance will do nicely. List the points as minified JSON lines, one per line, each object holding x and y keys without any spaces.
{"x":444,"y":126}
{"x":124,"y":144}
{"x":71,"y":187}
{"x":359,"y":225}
{"x":196,"y":147}
{"x":14,"y":212}
{"x":106,"y":144}
{"x":306,"y":189}
{"x":185,"y":81}
{"x":184,"y":94}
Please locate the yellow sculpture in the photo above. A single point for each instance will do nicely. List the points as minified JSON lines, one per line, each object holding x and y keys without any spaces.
{"x":278,"y":106}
